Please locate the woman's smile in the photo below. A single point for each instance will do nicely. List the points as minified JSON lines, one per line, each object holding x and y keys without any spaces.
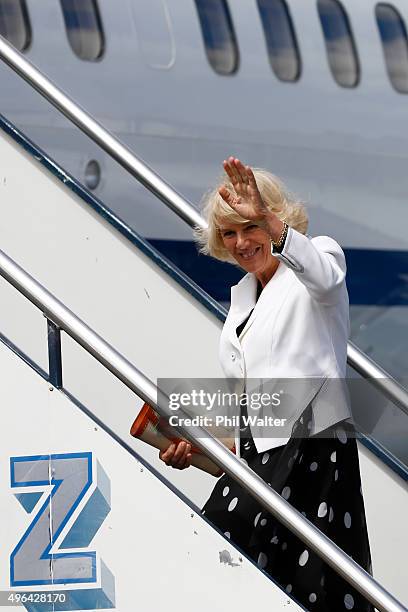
{"x":249,"y":254}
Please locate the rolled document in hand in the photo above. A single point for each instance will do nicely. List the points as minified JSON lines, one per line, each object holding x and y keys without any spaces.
{"x":153,"y":429}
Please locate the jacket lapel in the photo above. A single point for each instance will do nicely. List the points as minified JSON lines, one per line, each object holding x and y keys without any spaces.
{"x":271,"y":297}
{"x":243,"y":298}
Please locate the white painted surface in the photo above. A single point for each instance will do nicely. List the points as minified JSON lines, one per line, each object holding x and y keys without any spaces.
{"x":386,"y":504}
{"x":161,"y":553}
{"x":107,"y":282}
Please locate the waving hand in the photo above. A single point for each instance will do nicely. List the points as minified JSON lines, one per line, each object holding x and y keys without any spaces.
{"x":246,"y":200}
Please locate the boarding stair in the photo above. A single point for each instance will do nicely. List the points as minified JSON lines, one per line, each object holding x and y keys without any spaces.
{"x":136,"y":538}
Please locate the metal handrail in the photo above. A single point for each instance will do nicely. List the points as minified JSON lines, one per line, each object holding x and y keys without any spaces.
{"x":94,"y":344}
{"x":152,"y":181}
{"x":118,"y":151}
{"x":377,"y":377}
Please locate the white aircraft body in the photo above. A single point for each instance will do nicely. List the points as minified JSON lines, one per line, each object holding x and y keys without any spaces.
{"x":315,"y":91}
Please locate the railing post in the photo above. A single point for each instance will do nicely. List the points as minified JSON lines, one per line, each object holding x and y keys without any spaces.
{"x":54,"y":354}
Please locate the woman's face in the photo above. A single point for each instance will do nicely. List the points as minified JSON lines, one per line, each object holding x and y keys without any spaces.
{"x":250,"y":246}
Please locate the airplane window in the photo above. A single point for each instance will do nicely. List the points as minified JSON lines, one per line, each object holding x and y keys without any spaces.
{"x":395,"y":45}
{"x":84,"y":28}
{"x":218,"y":34}
{"x":280,"y":39}
{"x":340,"y":46}
{"x":14,"y":23}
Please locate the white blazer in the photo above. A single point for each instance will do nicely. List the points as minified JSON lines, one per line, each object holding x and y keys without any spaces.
{"x":298,"y":329}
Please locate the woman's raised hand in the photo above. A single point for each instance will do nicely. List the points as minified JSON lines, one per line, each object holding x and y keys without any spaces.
{"x":177,"y":455}
{"x":246,"y":201}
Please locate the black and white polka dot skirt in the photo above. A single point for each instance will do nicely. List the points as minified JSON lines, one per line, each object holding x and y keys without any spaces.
{"x":320,"y":477}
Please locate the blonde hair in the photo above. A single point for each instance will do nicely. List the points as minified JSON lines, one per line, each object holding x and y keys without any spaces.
{"x":215,"y":210}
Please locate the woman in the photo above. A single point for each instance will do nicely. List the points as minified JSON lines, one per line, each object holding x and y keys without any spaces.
{"x":288,"y":319}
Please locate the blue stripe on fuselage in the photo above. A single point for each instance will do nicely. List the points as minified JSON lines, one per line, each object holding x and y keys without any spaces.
{"x":374,"y":277}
